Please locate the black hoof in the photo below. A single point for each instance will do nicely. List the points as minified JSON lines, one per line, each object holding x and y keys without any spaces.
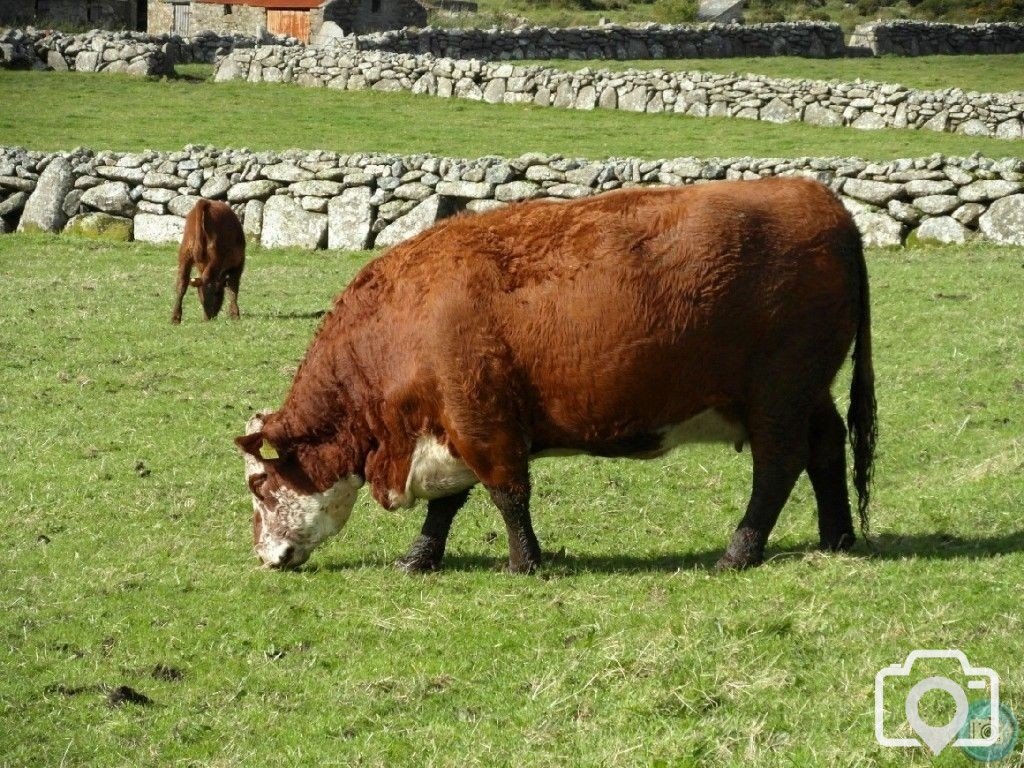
{"x":730,"y":562}
{"x":413,"y":564}
{"x":525,"y":567}
{"x":744,"y":551}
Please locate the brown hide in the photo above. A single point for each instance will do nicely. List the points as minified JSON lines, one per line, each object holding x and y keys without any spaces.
{"x":594,"y":326}
{"x":214,"y":244}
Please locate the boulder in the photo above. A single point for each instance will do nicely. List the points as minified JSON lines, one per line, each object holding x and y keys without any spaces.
{"x":975,"y":127}
{"x":482,"y":206}
{"x":100,"y":226}
{"x":470,"y":189}
{"x":56,"y":62}
{"x":413,"y":190}
{"x":330,"y":33}
{"x":315,"y":188}
{"x":151,"y":228}
{"x":778,"y":111}
{"x":252,"y":221}
{"x":182,"y":205}
{"x":229,"y":69}
{"x":879,"y":230}
{"x":1010,"y":130}
{"x":815,"y":114}
{"x":44,"y":210}
{"x":13,"y":204}
{"x":517,"y":190}
{"x":989,"y":189}
{"x":869,"y":121}
{"x":112,"y":197}
{"x":216,"y":187}
{"x":941,"y":229}
{"x":937,"y":205}
{"x":251,"y":190}
{"x":923,"y":187}
{"x":874,"y":192}
{"x":968,"y":213}
{"x":287,"y":225}
{"x":418,"y":219}
{"x":634,"y":100}
{"x":349,"y":218}
{"x":286,"y":172}
{"x":1003,"y":222}
{"x":162,"y":180}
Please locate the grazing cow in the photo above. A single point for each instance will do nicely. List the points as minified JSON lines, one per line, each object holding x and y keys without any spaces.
{"x":215,"y":244}
{"x":620,"y":325}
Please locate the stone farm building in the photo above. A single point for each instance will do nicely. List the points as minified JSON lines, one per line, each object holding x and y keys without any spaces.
{"x":109,"y":14}
{"x":294,"y":18}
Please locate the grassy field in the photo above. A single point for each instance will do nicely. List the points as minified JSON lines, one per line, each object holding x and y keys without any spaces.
{"x":129,"y":563}
{"x":124,"y":113}
{"x":989,"y":74}
{"x":510,"y":13}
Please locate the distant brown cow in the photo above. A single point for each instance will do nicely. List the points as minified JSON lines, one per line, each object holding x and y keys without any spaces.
{"x":215,"y":244}
{"x":620,"y":325}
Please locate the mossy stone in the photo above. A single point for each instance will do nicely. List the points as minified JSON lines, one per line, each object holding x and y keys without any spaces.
{"x":101,"y":226}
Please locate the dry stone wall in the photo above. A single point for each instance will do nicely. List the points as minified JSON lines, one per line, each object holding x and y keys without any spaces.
{"x":128,"y":52}
{"x":642,"y":41}
{"x":863,"y":105}
{"x":349,"y":201}
{"x":136,"y":53}
{"x":925,"y":38}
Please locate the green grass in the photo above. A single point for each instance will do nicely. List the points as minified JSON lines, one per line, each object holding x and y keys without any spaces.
{"x":988,"y":74}
{"x":127,"y":546}
{"x":46,"y":111}
{"x":510,"y":13}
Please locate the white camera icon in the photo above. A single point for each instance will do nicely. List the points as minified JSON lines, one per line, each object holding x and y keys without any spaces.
{"x":937,"y":738}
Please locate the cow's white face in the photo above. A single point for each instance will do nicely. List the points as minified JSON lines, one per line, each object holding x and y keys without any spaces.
{"x":289,"y":523}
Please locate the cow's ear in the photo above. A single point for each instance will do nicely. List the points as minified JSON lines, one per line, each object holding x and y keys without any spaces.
{"x":258,"y":446}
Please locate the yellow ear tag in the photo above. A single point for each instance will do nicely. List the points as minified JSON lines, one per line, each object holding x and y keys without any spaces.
{"x":268,"y":451}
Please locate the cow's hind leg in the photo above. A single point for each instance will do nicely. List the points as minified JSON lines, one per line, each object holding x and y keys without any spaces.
{"x":503,"y":469}
{"x":779,"y":450}
{"x":427,"y":550}
{"x":523,"y":548}
{"x":826,"y":467}
{"x":181,"y":287}
{"x":231,"y":282}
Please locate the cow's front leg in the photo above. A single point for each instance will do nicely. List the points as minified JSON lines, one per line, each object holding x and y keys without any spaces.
{"x":523,"y":548}
{"x":427,"y":550}
{"x":231,"y":281}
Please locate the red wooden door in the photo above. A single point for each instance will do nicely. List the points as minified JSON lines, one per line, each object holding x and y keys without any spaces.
{"x":289,"y":23}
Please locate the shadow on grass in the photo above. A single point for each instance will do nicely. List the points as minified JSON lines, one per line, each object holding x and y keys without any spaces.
{"x":193,"y":73}
{"x":311,"y":315}
{"x":887,"y":546}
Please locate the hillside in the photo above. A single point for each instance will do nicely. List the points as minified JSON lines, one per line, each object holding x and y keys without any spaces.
{"x":508,"y":13}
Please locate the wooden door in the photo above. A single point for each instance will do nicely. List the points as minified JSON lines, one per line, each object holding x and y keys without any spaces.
{"x":141,"y":15}
{"x":288,"y":23}
{"x":181,"y":19}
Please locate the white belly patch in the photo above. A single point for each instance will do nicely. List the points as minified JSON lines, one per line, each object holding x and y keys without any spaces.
{"x":433,"y":474}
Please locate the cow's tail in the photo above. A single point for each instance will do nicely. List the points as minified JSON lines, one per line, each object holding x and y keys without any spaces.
{"x":861,"y":418}
{"x":205,"y":230}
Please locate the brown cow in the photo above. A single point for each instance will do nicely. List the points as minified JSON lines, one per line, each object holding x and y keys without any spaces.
{"x":215,"y":244}
{"x":620,"y":325}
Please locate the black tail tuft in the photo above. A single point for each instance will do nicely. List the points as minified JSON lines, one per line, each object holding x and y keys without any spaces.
{"x":862,"y":416}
